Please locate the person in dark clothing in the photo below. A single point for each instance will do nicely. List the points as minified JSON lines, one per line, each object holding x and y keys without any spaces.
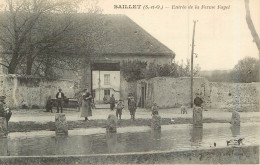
{"x":129,"y":98}
{"x":155,"y":109}
{"x":132,"y":108}
{"x":60,"y":98}
{"x":86,"y":105}
{"x":198,"y":101}
{"x":112,"y":102}
{"x":49,"y":105}
{"x":119,"y":108}
{"x":4,"y":112}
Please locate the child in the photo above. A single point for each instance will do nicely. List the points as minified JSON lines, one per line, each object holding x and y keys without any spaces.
{"x":119,"y":108}
{"x":184,"y":109}
{"x":132,"y":107}
{"x":155,"y":109}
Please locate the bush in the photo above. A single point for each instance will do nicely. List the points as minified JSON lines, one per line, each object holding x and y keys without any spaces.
{"x":136,"y":70}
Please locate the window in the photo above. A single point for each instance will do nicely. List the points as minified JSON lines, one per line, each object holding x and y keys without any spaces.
{"x":106,"y":79}
{"x":107,"y":92}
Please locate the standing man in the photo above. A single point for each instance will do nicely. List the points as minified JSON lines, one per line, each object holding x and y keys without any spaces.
{"x":112,"y":102}
{"x":60,"y":98}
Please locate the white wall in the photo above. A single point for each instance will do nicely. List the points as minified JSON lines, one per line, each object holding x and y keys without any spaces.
{"x":114,"y":84}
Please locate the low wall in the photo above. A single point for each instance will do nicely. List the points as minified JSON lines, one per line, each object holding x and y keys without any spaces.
{"x":225,"y":155}
{"x":170,"y":92}
{"x":32,"y":91}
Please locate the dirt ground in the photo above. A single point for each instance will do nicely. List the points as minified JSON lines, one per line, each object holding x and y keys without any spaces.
{"x":37,"y":119}
{"x":38,"y":115}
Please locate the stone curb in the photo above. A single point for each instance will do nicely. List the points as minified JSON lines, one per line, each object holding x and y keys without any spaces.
{"x":27,"y":126}
{"x":219,"y":155}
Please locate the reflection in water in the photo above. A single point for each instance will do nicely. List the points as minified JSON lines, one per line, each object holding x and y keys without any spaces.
{"x":171,"y":137}
{"x":4,"y":147}
{"x":60,"y":141}
{"x":156,"y":139}
{"x":156,"y":134}
{"x":111,"y":142}
{"x":235,"y":131}
{"x":196,"y":134}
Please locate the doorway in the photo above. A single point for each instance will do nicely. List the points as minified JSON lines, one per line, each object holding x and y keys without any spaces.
{"x":105,"y":83}
{"x":143,"y":95}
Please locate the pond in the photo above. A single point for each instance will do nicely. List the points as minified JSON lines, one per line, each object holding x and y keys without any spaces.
{"x":128,"y":139}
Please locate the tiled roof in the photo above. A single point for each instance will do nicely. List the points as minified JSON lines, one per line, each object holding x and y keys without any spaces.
{"x":124,"y":36}
{"x":121,"y":36}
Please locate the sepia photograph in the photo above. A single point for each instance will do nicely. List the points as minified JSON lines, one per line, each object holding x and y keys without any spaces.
{"x":129,"y":82}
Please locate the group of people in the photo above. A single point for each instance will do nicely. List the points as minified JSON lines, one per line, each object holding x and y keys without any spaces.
{"x":85,"y":102}
{"x":120,"y":106}
{"x":86,"y":105}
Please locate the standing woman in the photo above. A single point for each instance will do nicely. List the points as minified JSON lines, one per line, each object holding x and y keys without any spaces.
{"x":86,"y":104}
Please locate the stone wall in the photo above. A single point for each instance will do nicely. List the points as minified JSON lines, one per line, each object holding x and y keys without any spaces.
{"x":170,"y":92}
{"x":223,"y":155}
{"x":239,"y":96}
{"x":32,"y":91}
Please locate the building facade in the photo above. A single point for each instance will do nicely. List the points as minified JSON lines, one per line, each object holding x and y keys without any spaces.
{"x":104,"y":85}
{"x":124,"y":41}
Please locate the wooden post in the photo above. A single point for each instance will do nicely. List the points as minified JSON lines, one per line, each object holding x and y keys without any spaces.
{"x":192,"y":52}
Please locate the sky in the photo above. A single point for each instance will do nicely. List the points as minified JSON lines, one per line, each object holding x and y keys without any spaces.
{"x":222,"y":37}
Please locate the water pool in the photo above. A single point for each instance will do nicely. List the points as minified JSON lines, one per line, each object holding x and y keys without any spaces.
{"x":128,"y":139}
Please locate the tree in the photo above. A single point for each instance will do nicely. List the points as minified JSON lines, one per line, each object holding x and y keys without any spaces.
{"x":252,"y":27}
{"x":133,"y":70}
{"x":184,"y":69}
{"x":136,"y":70}
{"x":246,"y":71}
{"x":166,"y":70}
{"x":21,"y":27}
{"x":75,"y":48}
{"x":45,"y":37}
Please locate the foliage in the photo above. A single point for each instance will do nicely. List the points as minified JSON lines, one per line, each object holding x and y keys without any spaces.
{"x":21,"y":27}
{"x":136,"y":70}
{"x":219,"y":76}
{"x":245,"y":71}
{"x":133,"y":70}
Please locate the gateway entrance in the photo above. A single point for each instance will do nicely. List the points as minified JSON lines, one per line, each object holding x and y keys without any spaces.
{"x":105,"y":83}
